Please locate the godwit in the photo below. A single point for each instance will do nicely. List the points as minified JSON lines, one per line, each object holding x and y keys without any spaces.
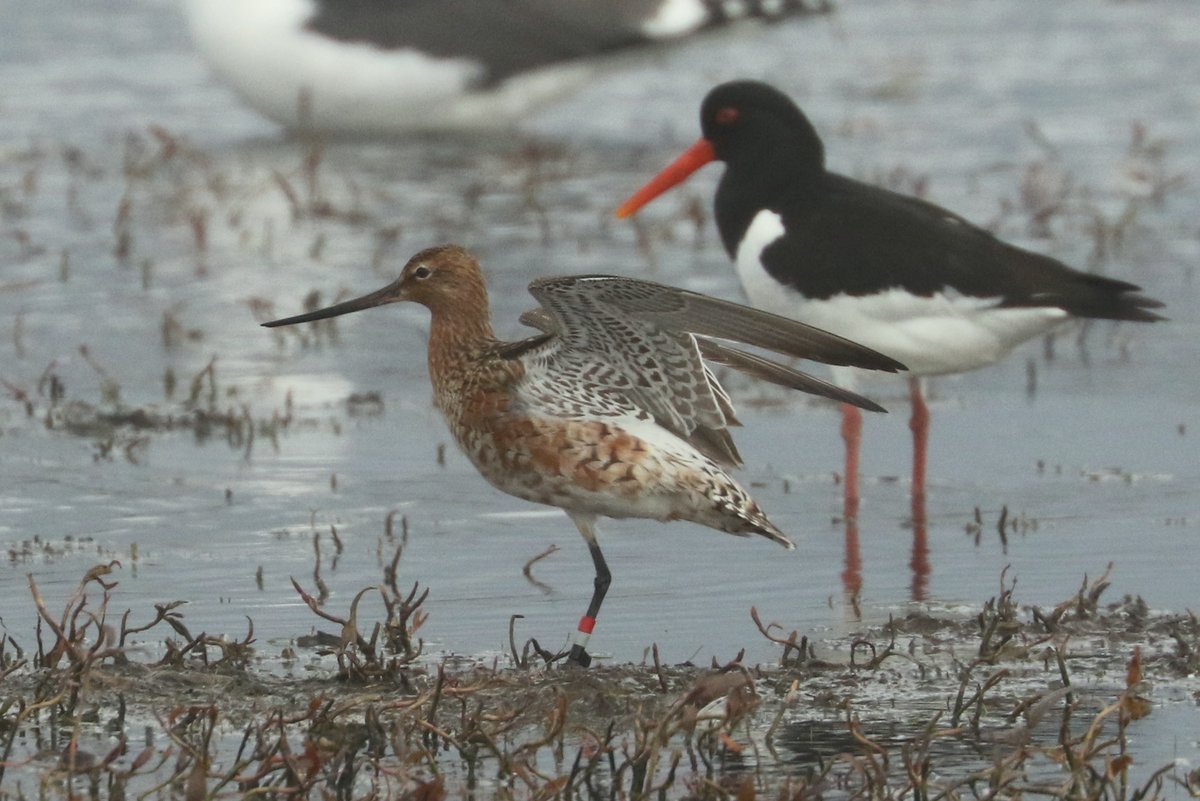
{"x":610,"y":411}
{"x":366,"y":67}
{"x":900,"y":275}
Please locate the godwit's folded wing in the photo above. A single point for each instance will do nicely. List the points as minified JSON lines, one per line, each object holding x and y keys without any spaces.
{"x":764,"y":369}
{"x":659,"y":371}
{"x":750,"y":364}
{"x":635,"y":341}
{"x":680,"y":310}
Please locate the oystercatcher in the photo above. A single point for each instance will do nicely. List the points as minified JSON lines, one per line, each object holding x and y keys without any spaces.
{"x":611,"y":410}
{"x":377,"y":67}
{"x":898,"y":274}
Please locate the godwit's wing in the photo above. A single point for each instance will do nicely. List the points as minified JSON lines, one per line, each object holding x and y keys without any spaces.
{"x":598,"y":361}
{"x":764,"y":369}
{"x":715,"y":442}
{"x":632,"y":342}
{"x":751,"y":364}
{"x":680,"y":310}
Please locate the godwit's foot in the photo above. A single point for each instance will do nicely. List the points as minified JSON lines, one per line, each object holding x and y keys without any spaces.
{"x":578,"y":657}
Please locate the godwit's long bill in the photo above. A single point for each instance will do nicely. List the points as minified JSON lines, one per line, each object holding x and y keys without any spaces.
{"x":898,"y":274}
{"x":610,"y":410}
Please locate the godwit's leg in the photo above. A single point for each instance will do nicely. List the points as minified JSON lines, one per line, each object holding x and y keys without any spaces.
{"x":587,"y":527}
{"x":852,"y":435}
{"x":919,"y":423}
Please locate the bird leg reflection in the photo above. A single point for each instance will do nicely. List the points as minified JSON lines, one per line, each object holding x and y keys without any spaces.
{"x":852,"y":571}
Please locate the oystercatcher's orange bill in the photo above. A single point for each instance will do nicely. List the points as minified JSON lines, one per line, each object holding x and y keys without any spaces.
{"x":674,"y":173}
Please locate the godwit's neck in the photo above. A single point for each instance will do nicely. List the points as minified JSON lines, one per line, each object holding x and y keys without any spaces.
{"x":458,"y":335}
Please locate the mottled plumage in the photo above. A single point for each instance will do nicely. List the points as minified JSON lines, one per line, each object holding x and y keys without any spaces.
{"x":610,"y":411}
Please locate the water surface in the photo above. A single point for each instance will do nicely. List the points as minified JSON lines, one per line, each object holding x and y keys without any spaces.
{"x":152,"y":220}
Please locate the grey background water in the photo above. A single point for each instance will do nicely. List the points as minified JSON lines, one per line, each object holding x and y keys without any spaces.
{"x":972,"y":99}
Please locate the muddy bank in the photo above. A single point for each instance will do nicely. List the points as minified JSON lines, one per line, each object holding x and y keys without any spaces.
{"x":1007,"y":699}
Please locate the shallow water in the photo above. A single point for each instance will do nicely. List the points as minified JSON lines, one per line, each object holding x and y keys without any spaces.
{"x":100,"y":249}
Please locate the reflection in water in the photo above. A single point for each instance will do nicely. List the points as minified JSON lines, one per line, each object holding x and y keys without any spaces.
{"x":852,"y":580}
{"x":920,"y":550}
{"x":852,"y":574}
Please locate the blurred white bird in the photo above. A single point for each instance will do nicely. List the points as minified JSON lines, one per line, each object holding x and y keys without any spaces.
{"x":380,"y":67}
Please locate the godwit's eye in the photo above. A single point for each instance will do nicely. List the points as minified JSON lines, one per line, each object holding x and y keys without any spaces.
{"x":422,"y":272}
{"x":728,"y":115}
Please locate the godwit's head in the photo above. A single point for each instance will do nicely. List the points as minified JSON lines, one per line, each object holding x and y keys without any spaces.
{"x":445,"y":279}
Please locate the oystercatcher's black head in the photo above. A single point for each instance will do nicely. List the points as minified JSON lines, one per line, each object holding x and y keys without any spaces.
{"x":757,"y":131}
{"x":746,"y":121}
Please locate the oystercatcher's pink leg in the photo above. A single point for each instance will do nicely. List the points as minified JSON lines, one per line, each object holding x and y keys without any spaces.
{"x":919,"y":423}
{"x":851,"y":432}
{"x":852,"y":436}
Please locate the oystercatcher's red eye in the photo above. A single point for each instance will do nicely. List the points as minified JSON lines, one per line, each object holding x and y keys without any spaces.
{"x":728,"y":115}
